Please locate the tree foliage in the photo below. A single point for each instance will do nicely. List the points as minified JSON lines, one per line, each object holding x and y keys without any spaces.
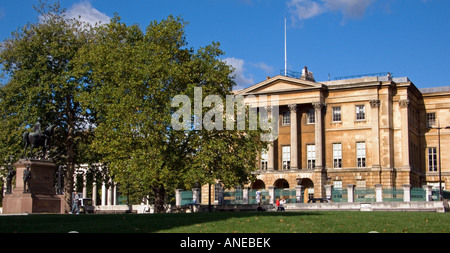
{"x":109,"y":88}
{"x":40,"y":80}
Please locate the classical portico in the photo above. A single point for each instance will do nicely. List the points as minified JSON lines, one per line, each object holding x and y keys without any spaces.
{"x":109,"y":194}
{"x":296,"y":98}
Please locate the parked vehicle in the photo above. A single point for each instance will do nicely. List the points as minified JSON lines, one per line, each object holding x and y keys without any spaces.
{"x":86,"y":206}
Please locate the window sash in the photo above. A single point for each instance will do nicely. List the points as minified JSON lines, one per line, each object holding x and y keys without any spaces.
{"x":311,"y":156}
{"x":311,"y":116}
{"x":286,"y":150}
{"x":286,"y":118}
{"x":431,"y":119}
{"x":361,"y":154}
{"x":432,"y":159}
{"x":216,"y":192}
{"x":337,"y":155}
{"x":360,"y":184}
{"x":360,"y":112}
{"x":264,"y":159}
{"x":337,"y":184}
{"x":336,"y":114}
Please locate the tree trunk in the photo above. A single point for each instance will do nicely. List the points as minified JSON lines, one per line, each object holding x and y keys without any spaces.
{"x":160,"y":194}
{"x":68,"y":187}
{"x":70,"y":144}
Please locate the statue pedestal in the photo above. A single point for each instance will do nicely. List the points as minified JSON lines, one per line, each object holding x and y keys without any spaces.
{"x":41,"y":198}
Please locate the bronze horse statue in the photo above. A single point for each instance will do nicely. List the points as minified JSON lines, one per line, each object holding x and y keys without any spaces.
{"x":37,"y":140}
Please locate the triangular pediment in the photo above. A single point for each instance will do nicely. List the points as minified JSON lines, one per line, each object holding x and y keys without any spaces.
{"x":280,"y":84}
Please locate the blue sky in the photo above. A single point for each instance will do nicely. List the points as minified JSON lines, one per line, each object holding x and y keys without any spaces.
{"x":332,"y":37}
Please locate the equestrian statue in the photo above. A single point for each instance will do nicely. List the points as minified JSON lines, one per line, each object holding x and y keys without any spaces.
{"x":37,"y":139}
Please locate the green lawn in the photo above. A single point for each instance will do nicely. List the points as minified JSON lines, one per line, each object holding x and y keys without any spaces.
{"x":233,"y":222}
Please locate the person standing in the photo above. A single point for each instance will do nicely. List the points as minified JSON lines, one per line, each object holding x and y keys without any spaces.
{"x":282,"y":202}
{"x":258,"y":197}
{"x":75,"y":206}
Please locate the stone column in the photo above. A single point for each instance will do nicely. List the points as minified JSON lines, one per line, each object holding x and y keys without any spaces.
{"x":318,"y":134}
{"x":245,"y":196}
{"x":178,"y":197}
{"x":271,"y":194}
{"x":75,"y":180}
{"x":298,"y":193}
{"x":114,"y":193}
{"x":294,"y":137}
{"x":94,"y":192}
{"x":328,"y":190}
{"x":375,"y":105}
{"x":406,"y":193}
{"x":320,"y":173}
{"x":428,"y":192}
{"x":109,"y":194}
{"x":103,"y":193}
{"x":196,"y":195}
{"x":85,"y":185}
{"x":404,"y":108}
{"x":350,"y":193}
{"x":379,"y":192}
{"x":220,"y":199}
{"x":271,"y":151}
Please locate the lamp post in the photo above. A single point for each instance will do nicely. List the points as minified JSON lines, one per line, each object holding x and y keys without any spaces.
{"x":439,"y":146}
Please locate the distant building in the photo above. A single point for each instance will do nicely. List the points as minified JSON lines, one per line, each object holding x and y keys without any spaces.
{"x":362,"y":131}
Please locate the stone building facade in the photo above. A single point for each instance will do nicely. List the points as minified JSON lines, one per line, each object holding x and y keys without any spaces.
{"x":362,"y":131}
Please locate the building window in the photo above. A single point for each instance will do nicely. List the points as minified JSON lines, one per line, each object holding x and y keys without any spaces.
{"x":337,"y":184}
{"x":311,"y":117}
{"x":310,"y":193}
{"x":264,"y":159}
{"x":216,"y":192}
{"x":431,"y":119}
{"x":432,"y":159}
{"x":286,"y":157}
{"x":361,"y":154}
{"x":311,"y":156}
{"x":360,"y":112}
{"x":286,"y":118}
{"x":337,"y":155}
{"x":337,"y":114}
{"x":361,"y":184}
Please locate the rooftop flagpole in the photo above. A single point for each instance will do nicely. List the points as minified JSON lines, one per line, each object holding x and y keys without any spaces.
{"x":285,"y":49}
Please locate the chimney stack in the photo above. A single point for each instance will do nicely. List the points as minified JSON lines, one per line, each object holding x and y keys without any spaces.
{"x":307,"y":75}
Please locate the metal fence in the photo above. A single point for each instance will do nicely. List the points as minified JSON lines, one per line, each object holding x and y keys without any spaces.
{"x":339,"y":195}
{"x":288,"y":194}
{"x":364,"y":195}
{"x":446,"y":194}
{"x":418,"y":194}
{"x":264,"y":197}
{"x":393,"y":195}
{"x":236,"y":197}
{"x":388,"y":194}
{"x":233,"y":197}
{"x":186,"y":197}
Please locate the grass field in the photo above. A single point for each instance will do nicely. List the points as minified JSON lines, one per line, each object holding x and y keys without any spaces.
{"x":233,"y":222}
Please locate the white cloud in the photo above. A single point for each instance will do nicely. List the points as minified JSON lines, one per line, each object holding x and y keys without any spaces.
{"x":264,"y":67}
{"x":305,"y":9}
{"x":239,"y":72}
{"x":87,"y":13}
{"x":350,"y":8}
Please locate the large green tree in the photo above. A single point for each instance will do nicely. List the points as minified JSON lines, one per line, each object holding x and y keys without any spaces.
{"x":40,"y":80}
{"x":110,"y":90}
{"x":134,"y":75}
